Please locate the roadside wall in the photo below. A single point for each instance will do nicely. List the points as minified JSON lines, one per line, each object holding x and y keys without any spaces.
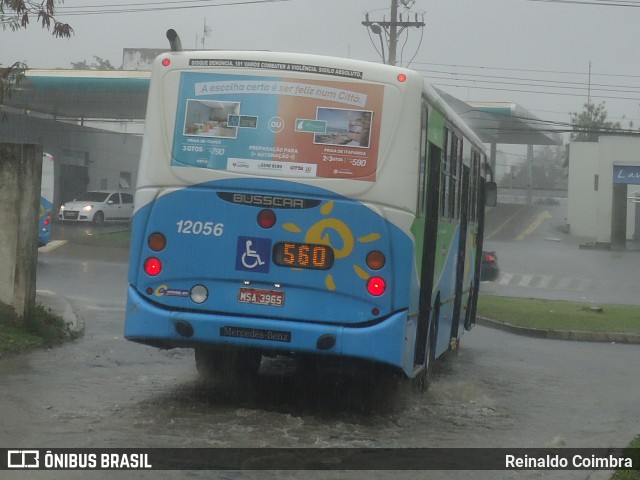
{"x":20,"y":173}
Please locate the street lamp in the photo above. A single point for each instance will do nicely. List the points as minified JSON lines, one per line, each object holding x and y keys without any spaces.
{"x":377,"y":30}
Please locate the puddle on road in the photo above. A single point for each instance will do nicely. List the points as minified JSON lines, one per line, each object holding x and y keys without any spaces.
{"x":289,"y":407}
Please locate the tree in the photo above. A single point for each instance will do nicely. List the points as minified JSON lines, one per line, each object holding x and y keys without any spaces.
{"x":592,"y":122}
{"x":98,"y":64}
{"x":16,"y":14}
{"x":548,"y":170}
{"x":10,"y":77}
{"x":21,"y":167}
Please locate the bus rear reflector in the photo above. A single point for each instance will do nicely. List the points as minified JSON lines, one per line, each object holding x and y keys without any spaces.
{"x":152,"y":266}
{"x":157,"y":241}
{"x":376,"y":286}
{"x":266,"y":218}
{"x":376,"y":260}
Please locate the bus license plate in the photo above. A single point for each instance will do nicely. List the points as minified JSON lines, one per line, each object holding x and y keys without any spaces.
{"x":256,"y":296}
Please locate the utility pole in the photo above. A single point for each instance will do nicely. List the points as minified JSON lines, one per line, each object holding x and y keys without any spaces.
{"x":393,"y":28}
{"x":393,"y":32}
{"x":589,"y":88}
{"x":206,"y":32}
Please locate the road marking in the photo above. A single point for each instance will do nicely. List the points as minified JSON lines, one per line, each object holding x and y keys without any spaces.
{"x":525,"y":280}
{"x":505,"y":223}
{"x":51,"y":246}
{"x":544,"y":282}
{"x":541,"y":217}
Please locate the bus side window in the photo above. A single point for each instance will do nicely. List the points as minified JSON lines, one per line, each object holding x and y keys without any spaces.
{"x":444,"y":175}
{"x":422,"y":174}
{"x":453,"y":176}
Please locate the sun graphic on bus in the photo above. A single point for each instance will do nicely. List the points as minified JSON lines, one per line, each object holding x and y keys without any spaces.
{"x":320,"y":233}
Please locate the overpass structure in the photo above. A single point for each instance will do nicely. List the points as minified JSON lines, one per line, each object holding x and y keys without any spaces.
{"x":508,"y":124}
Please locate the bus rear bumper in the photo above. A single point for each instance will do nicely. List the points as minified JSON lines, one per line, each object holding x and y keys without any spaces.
{"x":149,"y":324}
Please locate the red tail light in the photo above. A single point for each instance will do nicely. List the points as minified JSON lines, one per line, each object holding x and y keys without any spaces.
{"x":489,"y":257}
{"x":152,"y":266}
{"x":376,"y":286}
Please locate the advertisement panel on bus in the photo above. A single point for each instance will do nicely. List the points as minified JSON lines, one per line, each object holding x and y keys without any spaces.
{"x":278,"y":126}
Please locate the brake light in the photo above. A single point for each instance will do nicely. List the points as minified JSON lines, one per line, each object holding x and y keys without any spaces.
{"x":47,"y":220}
{"x":152,"y":266}
{"x":489,"y":257}
{"x":376,"y":286}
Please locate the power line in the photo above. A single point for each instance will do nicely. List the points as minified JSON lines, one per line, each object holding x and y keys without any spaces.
{"x":557,"y":83}
{"x":558,"y":72}
{"x":151,"y":7}
{"x":565,"y":94}
{"x":600,"y":3}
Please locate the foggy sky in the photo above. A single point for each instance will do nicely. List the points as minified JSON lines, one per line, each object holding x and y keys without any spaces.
{"x":516,"y":41}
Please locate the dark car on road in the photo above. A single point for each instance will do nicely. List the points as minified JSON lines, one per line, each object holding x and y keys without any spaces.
{"x":489,"y":270}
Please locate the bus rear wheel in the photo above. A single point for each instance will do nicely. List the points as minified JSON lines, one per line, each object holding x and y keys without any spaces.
{"x":423,"y":380}
{"x":227,"y":364}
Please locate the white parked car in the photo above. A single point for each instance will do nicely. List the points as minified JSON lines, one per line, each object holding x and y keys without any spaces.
{"x":98,"y":207}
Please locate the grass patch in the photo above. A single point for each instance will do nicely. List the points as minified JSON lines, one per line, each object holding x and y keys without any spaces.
{"x":43,"y":329}
{"x":120,"y":239}
{"x":632,"y":451}
{"x":560,"y":315}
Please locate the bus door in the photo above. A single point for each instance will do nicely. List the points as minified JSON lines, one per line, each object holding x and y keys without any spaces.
{"x":428,"y":251}
{"x":462,"y":250}
{"x":470,"y":321}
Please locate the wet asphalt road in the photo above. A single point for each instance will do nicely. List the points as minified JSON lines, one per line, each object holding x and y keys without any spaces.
{"x":501,"y":390}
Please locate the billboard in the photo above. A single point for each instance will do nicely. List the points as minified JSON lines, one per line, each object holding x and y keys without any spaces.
{"x":278,"y":126}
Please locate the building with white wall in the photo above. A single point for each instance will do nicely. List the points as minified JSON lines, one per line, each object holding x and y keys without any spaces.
{"x":604,"y":178}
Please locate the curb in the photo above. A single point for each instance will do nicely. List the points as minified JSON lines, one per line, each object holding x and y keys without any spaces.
{"x":573,"y":335}
{"x":61,"y":306}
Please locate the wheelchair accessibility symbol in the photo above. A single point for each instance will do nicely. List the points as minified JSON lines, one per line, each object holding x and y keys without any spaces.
{"x":253,"y":254}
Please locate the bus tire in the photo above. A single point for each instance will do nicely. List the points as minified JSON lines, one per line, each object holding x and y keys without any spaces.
{"x":424,"y":379}
{"x":430,"y":361}
{"x":228,"y":364}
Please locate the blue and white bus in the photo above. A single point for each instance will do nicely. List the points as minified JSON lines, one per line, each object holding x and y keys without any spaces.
{"x":298,"y":204}
{"x":46,"y":200}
